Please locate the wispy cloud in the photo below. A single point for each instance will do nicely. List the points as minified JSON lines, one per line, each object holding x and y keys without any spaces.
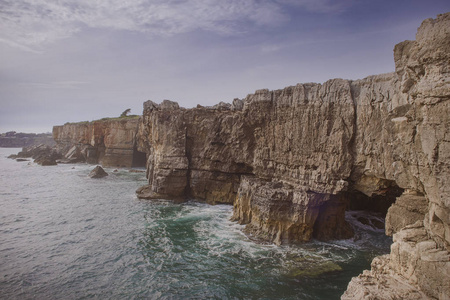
{"x":320,"y":6}
{"x":69,"y":84}
{"x":31,"y":23}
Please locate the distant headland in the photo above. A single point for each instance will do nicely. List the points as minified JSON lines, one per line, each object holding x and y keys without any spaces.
{"x":12,"y":139}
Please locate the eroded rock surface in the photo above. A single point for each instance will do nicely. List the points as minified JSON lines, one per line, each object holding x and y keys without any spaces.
{"x":108,"y":142}
{"x":291,"y":160}
{"x":98,"y":172}
{"x":42,"y":154}
{"x":411,"y":148}
{"x":299,"y":138}
{"x":381,"y":282}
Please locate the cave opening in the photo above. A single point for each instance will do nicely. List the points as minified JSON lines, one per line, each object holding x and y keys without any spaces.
{"x":366,"y":204}
{"x":139,"y":159}
{"x":375,"y":202}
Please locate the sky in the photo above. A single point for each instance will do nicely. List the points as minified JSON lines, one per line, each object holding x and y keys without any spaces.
{"x":80,"y":60}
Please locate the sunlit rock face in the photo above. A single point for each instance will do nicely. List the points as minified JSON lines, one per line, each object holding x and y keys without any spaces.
{"x":404,"y":137}
{"x":107,"y":142}
{"x":298,"y":138}
{"x":200,"y":152}
{"x":291,"y":160}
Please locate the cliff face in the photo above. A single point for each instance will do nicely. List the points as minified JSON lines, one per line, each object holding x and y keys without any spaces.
{"x":292,"y":160}
{"x":108,"y":142}
{"x":405,"y":138}
{"x":295,"y":143}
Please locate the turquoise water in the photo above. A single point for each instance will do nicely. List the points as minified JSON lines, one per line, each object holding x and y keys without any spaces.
{"x":64,"y":235}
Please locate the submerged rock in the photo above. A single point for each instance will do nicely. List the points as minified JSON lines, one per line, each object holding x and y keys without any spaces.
{"x":314,"y":268}
{"x":98,"y":172}
{"x":136,"y":171}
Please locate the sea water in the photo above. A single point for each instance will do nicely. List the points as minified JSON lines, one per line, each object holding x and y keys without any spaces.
{"x":64,"y":235}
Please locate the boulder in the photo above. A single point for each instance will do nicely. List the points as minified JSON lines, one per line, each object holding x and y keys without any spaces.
{"x":146,"y":193}
{"x":98,"y":172}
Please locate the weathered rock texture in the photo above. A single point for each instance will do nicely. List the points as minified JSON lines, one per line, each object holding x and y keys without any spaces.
{"x":412,"y":148}
{"x":98,"y":172}
{"x":107,"y":142}
{"x":42,"y":154}
{"x":291,"y":160}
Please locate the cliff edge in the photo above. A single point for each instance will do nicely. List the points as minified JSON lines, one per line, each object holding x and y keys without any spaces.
{"x":412,"y":148}
{"x":292,"y":160}
{"x":110,"y":142}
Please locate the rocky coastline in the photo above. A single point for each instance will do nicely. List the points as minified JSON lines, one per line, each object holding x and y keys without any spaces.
{"x":14,"y":139}
{"x":291,"y":161}
{"x":110,"y":142}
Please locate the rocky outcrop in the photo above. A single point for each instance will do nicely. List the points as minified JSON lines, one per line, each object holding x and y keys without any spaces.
{"x":291,"y":160}
{"x":298,"y":138}
{"x":110,"y":142}
{"x":381,"y":283}
{"x":189,"y":151}
{"x":98,"y":172}
{"x":42,"y":154}
{"x":412,"y":149}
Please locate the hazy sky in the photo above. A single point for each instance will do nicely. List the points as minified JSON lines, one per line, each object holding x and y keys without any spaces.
{"x":77,"y":60}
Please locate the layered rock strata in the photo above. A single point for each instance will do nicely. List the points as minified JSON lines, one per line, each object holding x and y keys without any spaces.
{"x":105,"y":142}
{"x":291,"y":160}
{"x":413,"y":149}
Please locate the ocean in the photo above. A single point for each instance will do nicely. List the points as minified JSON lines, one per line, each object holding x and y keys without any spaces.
{"x":64,"y":235}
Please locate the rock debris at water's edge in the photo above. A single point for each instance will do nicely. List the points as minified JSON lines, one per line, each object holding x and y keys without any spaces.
{"x":292,"y":160}
{"x":42,"y":154}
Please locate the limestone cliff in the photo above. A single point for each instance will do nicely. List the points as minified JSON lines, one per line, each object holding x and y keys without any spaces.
{"x":110,"y":142}
{"x":404,"y":138}
{"x":292,"y":160}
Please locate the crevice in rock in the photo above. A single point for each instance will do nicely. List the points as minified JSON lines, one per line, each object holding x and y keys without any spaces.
{"x":139,"y":158}
{"x":188,"y":147}
{"x":355,"y":90}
